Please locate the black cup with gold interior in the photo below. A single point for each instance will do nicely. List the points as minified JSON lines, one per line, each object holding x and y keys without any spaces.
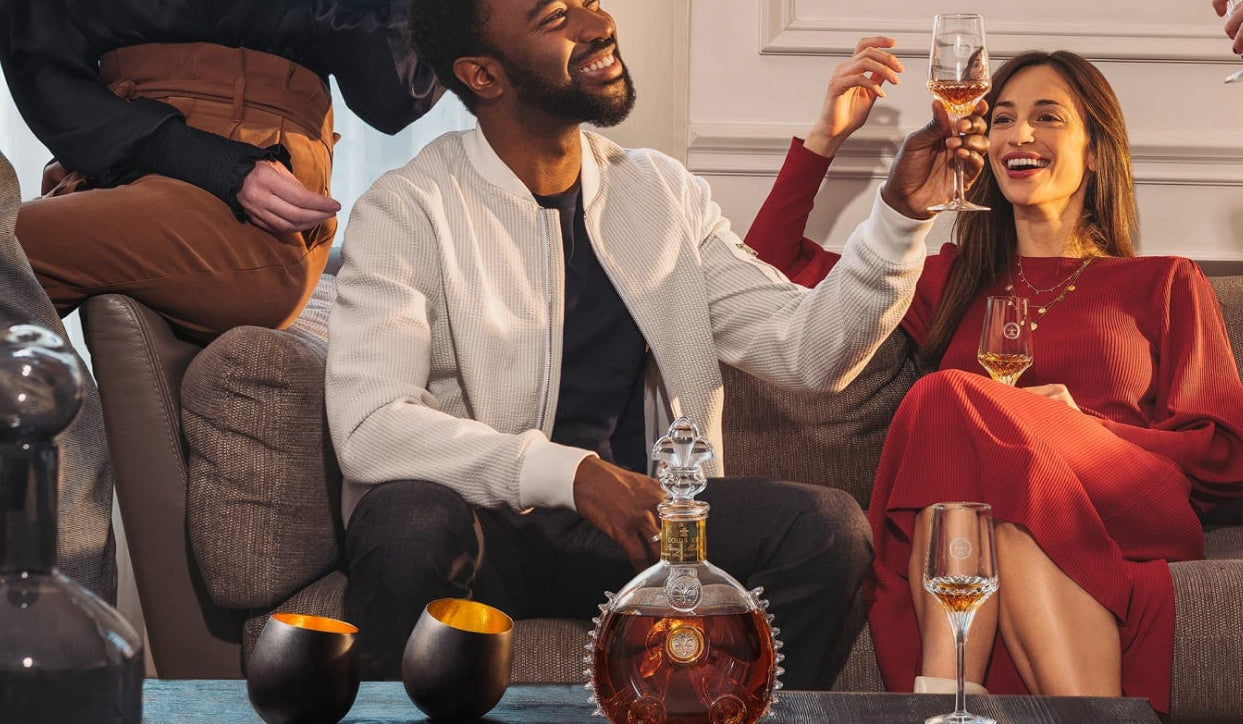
{"x":304,"y":669}
{"x":457,"y":659}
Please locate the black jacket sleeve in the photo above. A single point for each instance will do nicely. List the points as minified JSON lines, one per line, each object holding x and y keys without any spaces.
{"x":376,"y":67}
{"x":53,"y":75}
{"x":213,"y":163}
{"x":55,"y":83}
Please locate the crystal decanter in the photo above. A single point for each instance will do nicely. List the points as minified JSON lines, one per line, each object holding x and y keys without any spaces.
{"x":683,"y":642}
{"x":65,"y":655}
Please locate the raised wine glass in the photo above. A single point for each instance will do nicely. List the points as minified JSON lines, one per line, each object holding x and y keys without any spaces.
{"x":1006,"y":339}
{"x":961,"y":572}
{"x":958,"y":77}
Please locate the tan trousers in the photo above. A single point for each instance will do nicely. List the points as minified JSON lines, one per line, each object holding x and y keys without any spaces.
{"x":169,"y":244}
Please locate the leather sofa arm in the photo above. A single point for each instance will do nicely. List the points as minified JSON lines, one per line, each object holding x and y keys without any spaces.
{"x":139,"y":363}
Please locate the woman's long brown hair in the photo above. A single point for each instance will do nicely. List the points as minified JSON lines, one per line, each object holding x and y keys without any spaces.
{"x":987,"y":241}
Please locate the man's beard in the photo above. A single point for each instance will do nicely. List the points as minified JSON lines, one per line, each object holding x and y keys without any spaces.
{"x":570,"y":101}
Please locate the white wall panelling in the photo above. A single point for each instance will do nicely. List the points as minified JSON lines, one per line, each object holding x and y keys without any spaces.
{"x":1142,"y":30}
{"x":758,"y":69}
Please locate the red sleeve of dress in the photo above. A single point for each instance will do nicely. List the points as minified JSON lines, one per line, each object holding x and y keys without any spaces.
{"x":923,"y":310}
{"x":1198,"y":413}
{"x":776,"y":235}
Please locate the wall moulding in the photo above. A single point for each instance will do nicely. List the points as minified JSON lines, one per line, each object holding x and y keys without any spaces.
{"x":757,"y":149}
{"x":784,"y":30}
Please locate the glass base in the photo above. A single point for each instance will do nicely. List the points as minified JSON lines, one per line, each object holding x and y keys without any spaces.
{"x":958,"y":205}
{"x":963,"y":718}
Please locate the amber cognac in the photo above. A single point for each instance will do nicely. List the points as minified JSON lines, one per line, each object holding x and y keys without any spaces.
{"x":683,"y":642}
{"x":959,"y":96}
{"x":1003,"y":366}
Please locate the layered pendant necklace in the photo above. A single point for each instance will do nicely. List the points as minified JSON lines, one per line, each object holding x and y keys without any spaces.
{"x":1067,"y":286}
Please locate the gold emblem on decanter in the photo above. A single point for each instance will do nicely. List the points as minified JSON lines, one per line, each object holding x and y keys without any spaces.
{"x":685,"y":644}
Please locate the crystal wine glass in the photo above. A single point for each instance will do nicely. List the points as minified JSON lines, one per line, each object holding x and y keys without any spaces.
{"x":961,"y":572}
{"x":958,"y":77}
{"x":1006,"y":339}
{"x":1238,"y":74}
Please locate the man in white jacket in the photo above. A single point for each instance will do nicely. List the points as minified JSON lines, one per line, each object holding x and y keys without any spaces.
{"x":522,"y":309}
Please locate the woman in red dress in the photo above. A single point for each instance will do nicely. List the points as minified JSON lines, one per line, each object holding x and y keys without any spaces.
{"x":1128,"y":424}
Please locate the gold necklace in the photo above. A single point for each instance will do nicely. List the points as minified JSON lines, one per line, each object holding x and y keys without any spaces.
{"x":1069,"y":282}
{"x":1032,"y":287}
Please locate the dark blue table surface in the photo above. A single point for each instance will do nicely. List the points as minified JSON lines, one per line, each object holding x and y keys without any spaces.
{"x":225,"y":702}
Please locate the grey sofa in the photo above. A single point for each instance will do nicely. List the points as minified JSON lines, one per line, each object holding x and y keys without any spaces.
{"x":228,"y":489}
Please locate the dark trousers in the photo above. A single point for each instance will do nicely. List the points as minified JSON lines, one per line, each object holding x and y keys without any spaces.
{"x":412,"y":542}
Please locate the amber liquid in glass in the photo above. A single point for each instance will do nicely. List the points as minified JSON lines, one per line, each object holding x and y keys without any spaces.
{"x":719,"y":662}
{"x":961,"y":594}
{"x":958,"y":96}
{"x":1005,"y":367}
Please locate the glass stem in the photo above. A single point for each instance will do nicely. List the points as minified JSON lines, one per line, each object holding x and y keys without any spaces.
{"x":960,"y":192}
{"x":960,"y":652}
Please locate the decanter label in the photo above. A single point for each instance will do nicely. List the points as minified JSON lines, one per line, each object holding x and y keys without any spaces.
{"x":683,"y":541}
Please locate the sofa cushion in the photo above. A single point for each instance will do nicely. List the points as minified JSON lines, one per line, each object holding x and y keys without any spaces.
{"x":263,"y":500}
{"x":1230,"y":295}
{"x":823,"y":439}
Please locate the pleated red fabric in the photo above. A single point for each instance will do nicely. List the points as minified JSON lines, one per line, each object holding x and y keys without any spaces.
{"x":1109,"y":493}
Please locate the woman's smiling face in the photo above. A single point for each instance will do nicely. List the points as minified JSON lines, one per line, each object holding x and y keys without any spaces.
{"x":1038,"y":142}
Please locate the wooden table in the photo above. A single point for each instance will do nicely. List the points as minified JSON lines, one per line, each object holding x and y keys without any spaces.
{"x":225,"y":702}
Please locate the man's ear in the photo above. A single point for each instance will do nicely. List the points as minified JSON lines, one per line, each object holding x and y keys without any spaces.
{"x":482,"y":74}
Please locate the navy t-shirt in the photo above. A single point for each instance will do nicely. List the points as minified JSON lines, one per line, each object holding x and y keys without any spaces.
{"x":600,"y":407}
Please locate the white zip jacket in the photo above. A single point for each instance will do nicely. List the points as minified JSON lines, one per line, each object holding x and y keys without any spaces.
{"x":444,"y":353}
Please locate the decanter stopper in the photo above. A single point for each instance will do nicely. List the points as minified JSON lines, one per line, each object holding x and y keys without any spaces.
{"x":40,"y":384}
{"x":681,"y":454}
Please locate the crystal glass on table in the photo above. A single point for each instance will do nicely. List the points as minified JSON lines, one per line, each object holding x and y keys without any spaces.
{"x":1006,"y":339}
{"x":65,"y":655}
{"x":958,"y":77}
{"x":961,"y":573}
{"x":683,"y":642}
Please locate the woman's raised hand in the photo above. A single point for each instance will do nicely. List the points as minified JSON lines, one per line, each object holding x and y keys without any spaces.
{"x":853,"y":89}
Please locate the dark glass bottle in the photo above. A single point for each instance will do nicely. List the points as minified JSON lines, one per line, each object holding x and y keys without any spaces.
{"x":683,"y":642}
{"x":65,"y":655}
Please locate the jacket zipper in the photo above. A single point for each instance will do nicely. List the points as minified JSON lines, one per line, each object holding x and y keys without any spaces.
{"x":543,"y":405}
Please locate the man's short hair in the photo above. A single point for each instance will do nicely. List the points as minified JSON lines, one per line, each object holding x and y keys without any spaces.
{"x":443,"y":31}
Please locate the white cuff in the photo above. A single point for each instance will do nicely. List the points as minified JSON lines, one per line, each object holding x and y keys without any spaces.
{"x":546,"y":479}
{"x":894,"y":237}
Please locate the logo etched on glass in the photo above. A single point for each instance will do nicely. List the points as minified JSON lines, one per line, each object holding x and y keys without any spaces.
{"x":960,"y":548}
{"x":683,"y":589}
{"x":1011,"y":330}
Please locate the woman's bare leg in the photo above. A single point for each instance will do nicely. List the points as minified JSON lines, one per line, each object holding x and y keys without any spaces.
{"x":1062,"y":641}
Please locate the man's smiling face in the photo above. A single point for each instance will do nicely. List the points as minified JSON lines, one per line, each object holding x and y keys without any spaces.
{"x":561,"y":58}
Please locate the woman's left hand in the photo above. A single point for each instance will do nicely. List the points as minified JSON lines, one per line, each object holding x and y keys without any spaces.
{"x":1054,"y":392}
{"x":853,"y":89}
